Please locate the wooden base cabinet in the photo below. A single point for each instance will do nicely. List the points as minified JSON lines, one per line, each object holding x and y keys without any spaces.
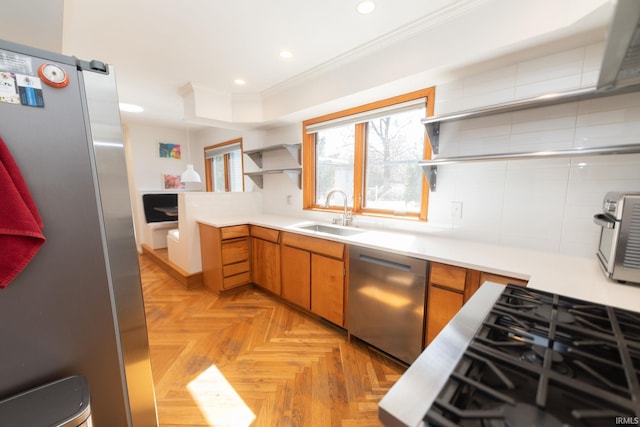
{"x":443,"y":305}
{"x":445,"y":296}
{"x":313,"y":275}
{"x":449,"y":288}
{"x":265,"y":258}
{"x":327,"y":288}
{"x":225,"y":257}
{"x":296,"y":276}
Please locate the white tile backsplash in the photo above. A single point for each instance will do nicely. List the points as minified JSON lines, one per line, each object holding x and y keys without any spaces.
{"x":550,"y":74}
{"x":535,"y":193}
{"x":485,"y":135}
{"x":493,"y":97}
{"x":549,"y":128}
{"x":449,"y":97}
{"x":481,"y":191}
{"x":592,"y":63}
{"x":608,"y":121}
{"x":543,"y":204}
{"x":593,"y":58}
{"x":489,"y":82}
{"x":551,"y":67}
{"x":555,"y":85}
{"x":591,"y":177}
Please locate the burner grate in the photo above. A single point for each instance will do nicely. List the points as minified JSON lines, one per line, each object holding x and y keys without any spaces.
{"x":553,"y":359}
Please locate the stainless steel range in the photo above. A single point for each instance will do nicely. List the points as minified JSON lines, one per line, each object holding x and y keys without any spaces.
{"x":531,"y":358}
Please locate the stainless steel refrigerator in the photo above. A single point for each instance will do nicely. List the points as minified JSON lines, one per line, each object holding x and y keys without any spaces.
{"x":77,"y":306}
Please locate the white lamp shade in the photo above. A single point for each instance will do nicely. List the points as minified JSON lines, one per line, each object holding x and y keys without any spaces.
{"x":190,"y":175}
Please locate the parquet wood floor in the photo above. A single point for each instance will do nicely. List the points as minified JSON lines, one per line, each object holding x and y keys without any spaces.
{"x":249,"y":359}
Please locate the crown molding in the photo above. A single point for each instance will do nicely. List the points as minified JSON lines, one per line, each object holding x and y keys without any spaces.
{"x":416,"y":27}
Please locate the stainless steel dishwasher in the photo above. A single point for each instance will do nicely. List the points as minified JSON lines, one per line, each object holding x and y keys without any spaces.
{"x":386,"y":301}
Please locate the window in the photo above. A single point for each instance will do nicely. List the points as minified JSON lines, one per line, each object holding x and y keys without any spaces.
{"x":371,"y":153}
{"x":335,"y":148}
{"x":223,"y":166}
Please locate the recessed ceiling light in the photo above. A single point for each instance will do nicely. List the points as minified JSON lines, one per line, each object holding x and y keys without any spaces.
{"x":365,"y":7}
{"x":130,"y":108}
{"x":239,"y":82}
{"x":285,"y":54}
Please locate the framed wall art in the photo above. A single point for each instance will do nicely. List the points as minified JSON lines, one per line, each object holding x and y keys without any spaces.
{"x":169,"y":150}
{"x":171,"y":182}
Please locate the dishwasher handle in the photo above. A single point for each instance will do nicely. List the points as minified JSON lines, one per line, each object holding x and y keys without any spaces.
{"x":385,"y":263}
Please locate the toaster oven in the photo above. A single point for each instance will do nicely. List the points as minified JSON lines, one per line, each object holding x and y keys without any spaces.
{"x":619,"y":248}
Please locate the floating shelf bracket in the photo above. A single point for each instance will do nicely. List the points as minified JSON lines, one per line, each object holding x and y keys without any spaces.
{"x":256,"y":156}
{"x":431,"y":173}
{"x":433,"y":131}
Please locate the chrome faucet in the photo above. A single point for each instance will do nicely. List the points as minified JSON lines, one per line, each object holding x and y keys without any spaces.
{"x":347,"y":217}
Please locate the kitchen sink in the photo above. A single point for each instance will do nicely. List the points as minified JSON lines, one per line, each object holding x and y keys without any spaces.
{"x":330,"y":229}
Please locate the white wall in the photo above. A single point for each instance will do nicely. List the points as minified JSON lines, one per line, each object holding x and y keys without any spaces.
{"x":146,"y":167}
{"x":537,"y":204}
{"x":36,"y":23}
{"x":281,"y":193}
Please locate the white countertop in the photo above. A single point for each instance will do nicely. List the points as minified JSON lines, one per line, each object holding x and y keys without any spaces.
{"x":575,"y":277}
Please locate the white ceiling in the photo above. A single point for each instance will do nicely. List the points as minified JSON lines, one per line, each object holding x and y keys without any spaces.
{"x":159,"y":46}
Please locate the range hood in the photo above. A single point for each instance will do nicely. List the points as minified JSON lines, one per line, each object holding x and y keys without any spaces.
{"x":621,"y":62}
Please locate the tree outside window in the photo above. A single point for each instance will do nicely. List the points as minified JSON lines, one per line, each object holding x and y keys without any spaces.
{"x":371,"y":153}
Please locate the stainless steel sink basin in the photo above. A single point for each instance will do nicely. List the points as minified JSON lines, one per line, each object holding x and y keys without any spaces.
{"x":329,"y":229}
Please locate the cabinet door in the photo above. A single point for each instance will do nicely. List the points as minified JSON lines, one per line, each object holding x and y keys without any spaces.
{"x":265,"y":261}
{"x":211,"y":254}
{"x":296,"y":276}
{"x":327,"y":288}
{"x":442,"y":306}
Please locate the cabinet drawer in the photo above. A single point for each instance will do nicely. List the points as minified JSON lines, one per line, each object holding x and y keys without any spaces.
{"x":237,"y":280}
{"x":235,"y":251}
{"x":237,"y":268}
{"x":265,"y":233}
{"x":311,"y":244}
{"x":234,"y":231}
{"x":449,"y":276}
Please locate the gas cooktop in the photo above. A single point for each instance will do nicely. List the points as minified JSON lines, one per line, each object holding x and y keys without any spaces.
{"x":540,"y":359}
{"x":516,"y":356}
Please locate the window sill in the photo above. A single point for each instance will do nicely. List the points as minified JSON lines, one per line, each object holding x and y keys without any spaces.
{"x":413,"y":217}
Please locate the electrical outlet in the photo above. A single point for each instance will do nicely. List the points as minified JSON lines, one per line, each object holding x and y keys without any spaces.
{"x":456,"y":210}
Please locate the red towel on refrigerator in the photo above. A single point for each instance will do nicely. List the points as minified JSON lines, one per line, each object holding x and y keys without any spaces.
{"x":20,"y":223}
